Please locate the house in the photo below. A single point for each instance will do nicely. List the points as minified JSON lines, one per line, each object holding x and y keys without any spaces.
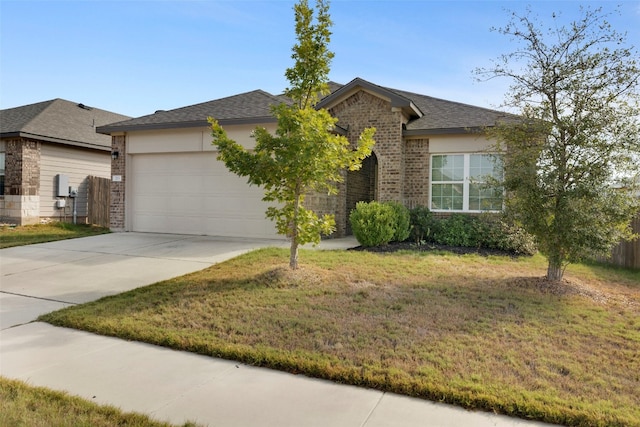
{"x":166,"y":177}
{"x":45,"y":148}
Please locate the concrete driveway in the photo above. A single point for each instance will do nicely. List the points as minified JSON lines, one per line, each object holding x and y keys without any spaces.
{"x":38,"y":279}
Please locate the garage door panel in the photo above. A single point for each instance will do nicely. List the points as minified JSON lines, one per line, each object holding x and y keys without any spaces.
{"x":194,"y":193}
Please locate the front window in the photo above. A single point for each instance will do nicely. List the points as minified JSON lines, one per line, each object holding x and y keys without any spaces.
{"x":459,"y":182}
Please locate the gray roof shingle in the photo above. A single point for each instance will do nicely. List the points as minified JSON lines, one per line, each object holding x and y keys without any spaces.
{"x":429,"y":115}
{"x":440,"y":115}
{"x":433,"y":115}
{"x":249,"y":107}
{"x":58,"y":121}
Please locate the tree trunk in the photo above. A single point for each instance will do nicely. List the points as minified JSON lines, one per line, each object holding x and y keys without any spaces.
{"x":293,"y":253}
{"x":293,"y":257}
{"x":554,"y":271}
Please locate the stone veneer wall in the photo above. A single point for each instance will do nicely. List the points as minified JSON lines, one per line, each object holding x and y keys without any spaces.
{"x":22,"y":182}
{"x":416,"y":173}
{"x":118,"y":167}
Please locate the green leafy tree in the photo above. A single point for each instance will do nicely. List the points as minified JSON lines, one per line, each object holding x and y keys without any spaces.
{"x":576,"y":87}
{"x":305,"y":154}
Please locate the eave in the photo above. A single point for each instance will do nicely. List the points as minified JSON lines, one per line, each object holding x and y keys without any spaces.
{"x":55,"y":140}
{"x":110,"y":129}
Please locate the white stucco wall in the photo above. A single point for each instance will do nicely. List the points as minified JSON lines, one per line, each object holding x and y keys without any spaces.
{"x":459,"y":144}
{"x":187,"y":140}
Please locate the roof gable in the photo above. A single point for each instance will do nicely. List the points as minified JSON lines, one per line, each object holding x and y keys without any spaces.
{"x":397,"y":100}
{"x":427,"y":115}
{"x":58,"y":121}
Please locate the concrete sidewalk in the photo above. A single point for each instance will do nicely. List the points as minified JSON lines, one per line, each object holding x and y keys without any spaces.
{"x":178,"y":387}
{"x":170,"y":385}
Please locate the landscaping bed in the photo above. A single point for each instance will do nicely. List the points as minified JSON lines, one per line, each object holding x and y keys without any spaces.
{"x":436,"y":248}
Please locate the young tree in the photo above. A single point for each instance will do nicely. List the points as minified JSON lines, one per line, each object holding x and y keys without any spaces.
{"x":577,"y":89}
{"x":305,"y":154}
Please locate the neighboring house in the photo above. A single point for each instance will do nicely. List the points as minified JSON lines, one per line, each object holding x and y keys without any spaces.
{"x":166,"y":177}
{"x":45,"y":148}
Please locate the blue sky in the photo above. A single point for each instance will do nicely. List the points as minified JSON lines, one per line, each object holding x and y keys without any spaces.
{"x":135,"y":57}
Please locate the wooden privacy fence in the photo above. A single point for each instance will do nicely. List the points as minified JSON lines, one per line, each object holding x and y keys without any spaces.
{"x":99,"y":196}
{"x":627,"y":254}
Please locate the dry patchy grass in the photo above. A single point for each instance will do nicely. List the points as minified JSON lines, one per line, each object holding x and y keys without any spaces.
{"x":42,"y":233}
{"x":28,"y":406}
{"x":480,"y":332}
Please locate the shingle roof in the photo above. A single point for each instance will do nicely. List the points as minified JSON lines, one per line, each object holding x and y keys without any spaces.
{"x":58,"y":121}
{"x":397,"y":100}
{"x":440,"y":115}
{"x":428,"y":115}
{"x":249,"y":107}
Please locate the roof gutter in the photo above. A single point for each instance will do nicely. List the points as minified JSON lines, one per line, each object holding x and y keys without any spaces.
{"x":443,"y":131}
{"x":109,"y":129}
{"x":55,"y":140}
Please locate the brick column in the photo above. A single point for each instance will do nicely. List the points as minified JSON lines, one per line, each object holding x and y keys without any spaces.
{"x":390,"y":151}
{"x":118,"y":169}
{"x":416,"y":172}
{"x":22,"y":181}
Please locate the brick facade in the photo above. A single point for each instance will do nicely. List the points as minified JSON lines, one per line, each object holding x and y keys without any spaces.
{"x":416,"y":173}
{"x":397,"y":171}
{"x":382,"y":176}
{"x":118,"y":168}
{"x":22,"y":181}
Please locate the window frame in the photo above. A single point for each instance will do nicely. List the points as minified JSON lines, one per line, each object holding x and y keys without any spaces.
{"x":466,"y":182}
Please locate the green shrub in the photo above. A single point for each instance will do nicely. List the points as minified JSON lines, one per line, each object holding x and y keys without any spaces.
{"x":517,"y":240}
{"x":423,"y":224}
{"x":373,"y":223}
{"x":457,"y":230}
{"x":490,"y":231}
{"x":402,"y":221}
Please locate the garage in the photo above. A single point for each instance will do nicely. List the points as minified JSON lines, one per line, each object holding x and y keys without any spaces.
{"x":194,"y":193}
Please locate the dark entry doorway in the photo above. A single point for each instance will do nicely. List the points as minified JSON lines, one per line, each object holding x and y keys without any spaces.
{"x":362,"y":185}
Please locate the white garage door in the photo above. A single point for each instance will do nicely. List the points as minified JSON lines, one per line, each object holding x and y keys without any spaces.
{"x":194,"y":193}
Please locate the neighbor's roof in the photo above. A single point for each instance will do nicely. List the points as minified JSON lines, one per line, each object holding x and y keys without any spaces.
{"x":58,"y":121}
{"x":428,"y":115}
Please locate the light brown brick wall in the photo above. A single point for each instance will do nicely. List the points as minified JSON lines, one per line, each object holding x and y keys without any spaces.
{"x":22,"y":167}
{"x":118,"y":167}
{"x":359,"y":111}
{"x":22,"y":182}
{"x":416,"y":173}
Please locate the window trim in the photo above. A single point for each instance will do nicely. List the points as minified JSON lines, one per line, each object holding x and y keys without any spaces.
{"x":466,"y":181}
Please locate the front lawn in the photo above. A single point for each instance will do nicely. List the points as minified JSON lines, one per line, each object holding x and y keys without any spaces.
{"x":42,"y":233}
{"x":28,"y":406}
{"x":480,"y":332}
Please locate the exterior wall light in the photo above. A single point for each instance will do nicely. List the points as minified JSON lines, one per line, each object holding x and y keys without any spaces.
{"x":114,"y":155}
